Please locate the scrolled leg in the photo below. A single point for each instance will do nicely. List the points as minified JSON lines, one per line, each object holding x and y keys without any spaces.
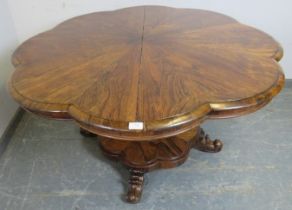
{"x":135,"y":189}
{"x":205,"y":144}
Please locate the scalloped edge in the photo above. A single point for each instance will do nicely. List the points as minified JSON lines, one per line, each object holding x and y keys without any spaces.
{"x":152,"y":129}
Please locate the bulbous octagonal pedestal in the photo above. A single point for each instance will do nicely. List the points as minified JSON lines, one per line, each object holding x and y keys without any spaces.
{"x":141,"y":157}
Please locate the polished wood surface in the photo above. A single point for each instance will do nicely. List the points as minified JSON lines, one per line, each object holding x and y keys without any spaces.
{"x":168,"y":68}
{"x":149,"y":75}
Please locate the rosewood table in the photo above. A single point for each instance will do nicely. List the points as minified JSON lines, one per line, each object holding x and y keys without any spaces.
{"x":144,"y":78}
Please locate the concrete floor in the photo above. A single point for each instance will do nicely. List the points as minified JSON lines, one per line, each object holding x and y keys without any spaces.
{"x":48,"y":165}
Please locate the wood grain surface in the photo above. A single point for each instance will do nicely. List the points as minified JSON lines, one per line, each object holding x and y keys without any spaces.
{"x":168,"y":68}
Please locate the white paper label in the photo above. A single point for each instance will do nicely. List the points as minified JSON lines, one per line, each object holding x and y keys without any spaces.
{"x":135,"y":125}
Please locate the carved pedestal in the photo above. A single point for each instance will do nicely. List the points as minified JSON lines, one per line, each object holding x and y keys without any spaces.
{"x":142,"y":157}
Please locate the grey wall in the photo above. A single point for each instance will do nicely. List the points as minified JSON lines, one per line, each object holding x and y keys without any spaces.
{"x":8,"y":42}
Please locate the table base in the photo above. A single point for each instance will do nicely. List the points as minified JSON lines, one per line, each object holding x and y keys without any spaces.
{"x":144,"y":156}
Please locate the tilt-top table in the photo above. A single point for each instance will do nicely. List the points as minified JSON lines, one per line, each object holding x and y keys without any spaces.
{"x":144,"y":78}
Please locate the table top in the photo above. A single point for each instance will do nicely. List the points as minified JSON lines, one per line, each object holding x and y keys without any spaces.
{"x":147,"y":72}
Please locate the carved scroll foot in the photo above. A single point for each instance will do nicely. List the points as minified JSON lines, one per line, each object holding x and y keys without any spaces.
{"x":205,"y":144}
{"x":135,"y":189}
{"x":86,"y":133}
